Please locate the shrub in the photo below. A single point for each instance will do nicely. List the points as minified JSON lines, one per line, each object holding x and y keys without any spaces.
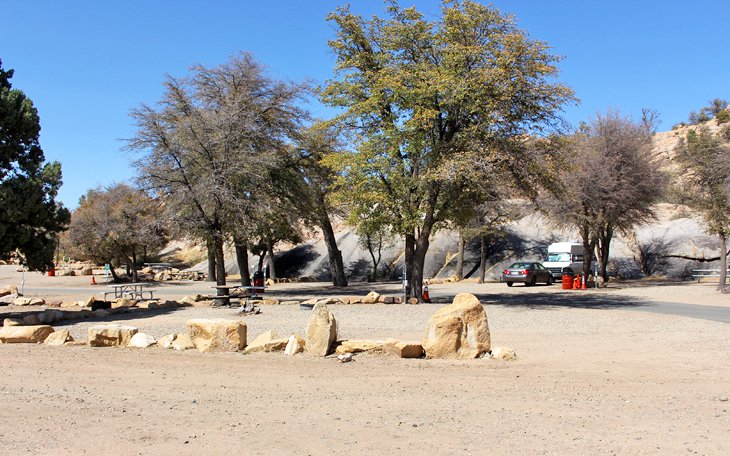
{"x":723,"y":116}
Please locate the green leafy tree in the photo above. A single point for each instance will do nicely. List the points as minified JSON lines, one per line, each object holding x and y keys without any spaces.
{"x":30,"y":216}
{"x":427,"y":97}
{"x":704,"y":161}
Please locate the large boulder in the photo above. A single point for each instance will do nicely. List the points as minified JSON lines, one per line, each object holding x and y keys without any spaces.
{"x":111,"y":335}
{"x":58,"y":338}
{"x":459,"y":330}
{"x":123,"y":302}
{"x":266,"y":342}
{"x":25,"y":334}
{"x":8,"y":290}
{"x":12,"y":322}
{"x":8,"y":299}
{"x":321,"y":331}
{"x":403,"y":349}
{"x":22,"y":301}
{"x":359,"y":346}
{"x":217,"y":334}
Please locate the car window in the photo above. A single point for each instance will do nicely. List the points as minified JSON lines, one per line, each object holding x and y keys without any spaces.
{"x":518,"y":266}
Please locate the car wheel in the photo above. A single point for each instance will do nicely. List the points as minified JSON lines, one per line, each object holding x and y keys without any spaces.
{"x":533,"y":281}
{"x":550,"y":280}
{"x":509,"y":284}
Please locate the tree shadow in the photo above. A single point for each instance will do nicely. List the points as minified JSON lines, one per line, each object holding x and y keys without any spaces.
{"x":559,"y":300}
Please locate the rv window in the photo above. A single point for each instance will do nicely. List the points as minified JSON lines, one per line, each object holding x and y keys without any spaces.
{"x":556,"y":257}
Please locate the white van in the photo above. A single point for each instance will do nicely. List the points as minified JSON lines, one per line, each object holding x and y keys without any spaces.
{"x":564,"y":255}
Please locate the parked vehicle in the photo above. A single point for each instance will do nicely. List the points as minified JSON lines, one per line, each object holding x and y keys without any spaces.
{"x":527,"y":272}
{"x":562,"y":255}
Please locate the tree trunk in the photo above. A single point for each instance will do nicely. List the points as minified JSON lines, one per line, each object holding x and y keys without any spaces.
{"x":460,"y":258}
{"x":588,"y":246}
{"x":410,"y":249}
{"x":220,"y":263}
{"x":376,"y":260}
{"x":482,"y":259}
{"x":419,"y":261}
{"x":272,"y":268}
{"x":134,"y":267}
{"x":337,"y":268}
{"x":242,"y":260}
{"x":604,"y":246}
{"x":211,"y":260}
{"x":115,"y":277}
{"x":723,"y":262}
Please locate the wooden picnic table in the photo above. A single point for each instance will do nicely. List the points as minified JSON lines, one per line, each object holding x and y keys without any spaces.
{"x":129,"y":290}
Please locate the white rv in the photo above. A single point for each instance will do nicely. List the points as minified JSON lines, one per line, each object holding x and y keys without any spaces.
{"x":563,"y":255}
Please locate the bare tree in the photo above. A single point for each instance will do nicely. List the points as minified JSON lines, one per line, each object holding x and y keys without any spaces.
{"x":611,"y":184}
{"x":210,"y":141}
{"x":118,"y":221}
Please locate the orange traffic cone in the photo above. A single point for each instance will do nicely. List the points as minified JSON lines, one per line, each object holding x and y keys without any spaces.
{"x":583,"y":283}
{"x":93,"y":281}
{"x":426,"y":298}
{"x":576,"y":283}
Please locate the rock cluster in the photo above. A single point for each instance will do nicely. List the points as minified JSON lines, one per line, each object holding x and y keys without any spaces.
{"x":458,"y":331}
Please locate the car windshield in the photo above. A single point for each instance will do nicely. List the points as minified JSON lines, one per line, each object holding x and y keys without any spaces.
{"x":556,"y":257}
{"x":520,"y":266}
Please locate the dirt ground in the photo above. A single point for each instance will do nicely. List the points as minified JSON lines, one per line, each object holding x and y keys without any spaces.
{"x":594,"y":375}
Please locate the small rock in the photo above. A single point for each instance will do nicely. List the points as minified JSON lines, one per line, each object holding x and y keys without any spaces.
{"x":141,"y":340}
{"x":166,"y":341}
{"x":345,"y":357}
{"x":12,"y":322}
{"x":266,"y":342}
{"x":371,"y":298}
{"x":294,"y":345}
{"x":182,"y":342}
{"x":358,"y":346}
{"x":58,"y":338}
{"x":403,"y":349}
{"x":22,"y":301}
{"x":504,"y":353}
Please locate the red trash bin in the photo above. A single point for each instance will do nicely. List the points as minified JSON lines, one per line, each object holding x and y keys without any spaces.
{"x":567,"y":282}
{"x":52,"y":271}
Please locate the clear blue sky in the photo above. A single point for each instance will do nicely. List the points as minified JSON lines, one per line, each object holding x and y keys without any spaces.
{"x":86,"y":64}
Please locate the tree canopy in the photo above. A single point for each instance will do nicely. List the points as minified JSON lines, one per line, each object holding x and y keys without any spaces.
{"x":116,"y":222}
{"x":610,"y":184}
{"x":30,"y":216}
{"x":430,"y":99}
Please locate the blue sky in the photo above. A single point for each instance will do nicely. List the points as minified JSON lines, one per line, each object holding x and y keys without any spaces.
{"x":86,"y":64}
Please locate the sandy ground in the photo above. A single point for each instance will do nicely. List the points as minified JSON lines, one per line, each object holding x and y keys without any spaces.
{"x":594,"y":376}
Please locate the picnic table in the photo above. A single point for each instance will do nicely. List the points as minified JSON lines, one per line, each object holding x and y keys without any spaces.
{"x":224,"y":293}
{"x":129,"y":290}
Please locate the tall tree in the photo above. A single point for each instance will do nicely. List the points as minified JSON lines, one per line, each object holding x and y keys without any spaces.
{"x":467,"y":87}
{"x":30,"y":216}
{"x":115,"y":222}
{"x":704,"y":161}
{"x":310,"y":181}
{"x":210,"y":142}
{"x":611,"y":184}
